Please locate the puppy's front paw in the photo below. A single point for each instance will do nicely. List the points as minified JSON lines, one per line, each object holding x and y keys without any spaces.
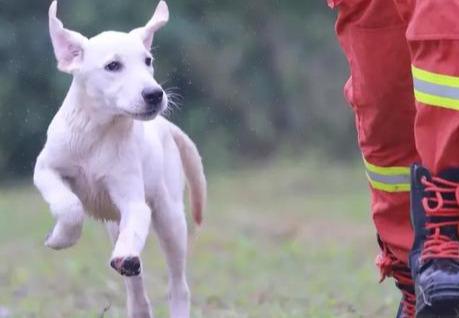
{"x":126,"y":266}
{"x":63,"y":235}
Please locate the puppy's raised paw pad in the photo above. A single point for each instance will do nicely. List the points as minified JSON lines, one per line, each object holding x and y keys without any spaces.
{"x":128,"y":266}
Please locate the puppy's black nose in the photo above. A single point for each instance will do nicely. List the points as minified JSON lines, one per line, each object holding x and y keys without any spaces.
{"x":152,"y":96}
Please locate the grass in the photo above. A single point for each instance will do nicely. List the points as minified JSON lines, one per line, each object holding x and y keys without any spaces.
{"x":283,"y":240}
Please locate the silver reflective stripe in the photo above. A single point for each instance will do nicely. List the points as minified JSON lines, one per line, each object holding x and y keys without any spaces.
{"x":436,"y":89}
{"x":387,"y":179}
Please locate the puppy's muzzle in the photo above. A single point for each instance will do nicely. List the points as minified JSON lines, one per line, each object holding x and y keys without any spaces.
{"x":153,"y":99}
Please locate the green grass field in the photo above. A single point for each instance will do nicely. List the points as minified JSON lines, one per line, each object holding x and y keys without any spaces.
{"x":286,"y":239}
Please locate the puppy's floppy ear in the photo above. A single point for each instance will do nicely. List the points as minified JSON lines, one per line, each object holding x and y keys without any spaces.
{"x":68,"y":45}
{"x":158,"y":20}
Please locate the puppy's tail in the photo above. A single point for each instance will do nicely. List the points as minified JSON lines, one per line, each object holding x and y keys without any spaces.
{"x":194,"y":172}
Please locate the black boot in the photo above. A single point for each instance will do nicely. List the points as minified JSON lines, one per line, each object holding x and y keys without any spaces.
{"x":434,"y":259}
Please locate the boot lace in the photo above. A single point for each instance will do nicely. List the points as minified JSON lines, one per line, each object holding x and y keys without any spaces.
{"x":390,"y":266}
{"x":443,"y":206}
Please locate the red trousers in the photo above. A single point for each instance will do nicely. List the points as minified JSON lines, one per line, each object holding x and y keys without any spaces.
{"x":404,"y":90}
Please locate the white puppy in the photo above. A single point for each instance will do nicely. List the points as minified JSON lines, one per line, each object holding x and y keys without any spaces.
{"x":111,"y":155}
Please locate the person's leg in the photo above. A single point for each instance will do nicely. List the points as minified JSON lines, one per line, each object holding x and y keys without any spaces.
{"x":433,"y":38}
{"x":379,"y":90}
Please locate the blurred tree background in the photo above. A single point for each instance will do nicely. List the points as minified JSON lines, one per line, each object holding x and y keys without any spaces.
{"x":257,"y":78}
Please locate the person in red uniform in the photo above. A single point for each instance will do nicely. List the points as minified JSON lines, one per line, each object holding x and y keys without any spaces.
{"x":404,"y":90}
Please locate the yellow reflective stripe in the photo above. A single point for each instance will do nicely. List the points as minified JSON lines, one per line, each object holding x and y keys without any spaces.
{"x":434,"y":100}
{"x":403,"y":187}
{"x":387,"y":171}
{"x":389,"y":179}
{"x":435,"y":89}
{"x":435,"y":78}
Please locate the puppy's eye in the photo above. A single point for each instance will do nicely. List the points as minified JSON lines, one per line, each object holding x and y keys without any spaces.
{"x":113,"y":66}
{"x":148,"y":61}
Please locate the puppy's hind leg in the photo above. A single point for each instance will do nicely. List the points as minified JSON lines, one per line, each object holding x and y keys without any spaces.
{"x":138,"y":305}
{"x":170,"y":225}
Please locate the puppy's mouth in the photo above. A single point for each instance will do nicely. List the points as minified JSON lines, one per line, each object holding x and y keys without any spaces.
{"x":148,"y":115}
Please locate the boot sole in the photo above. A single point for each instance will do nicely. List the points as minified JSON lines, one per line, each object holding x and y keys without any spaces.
{"x":442,"y":303}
